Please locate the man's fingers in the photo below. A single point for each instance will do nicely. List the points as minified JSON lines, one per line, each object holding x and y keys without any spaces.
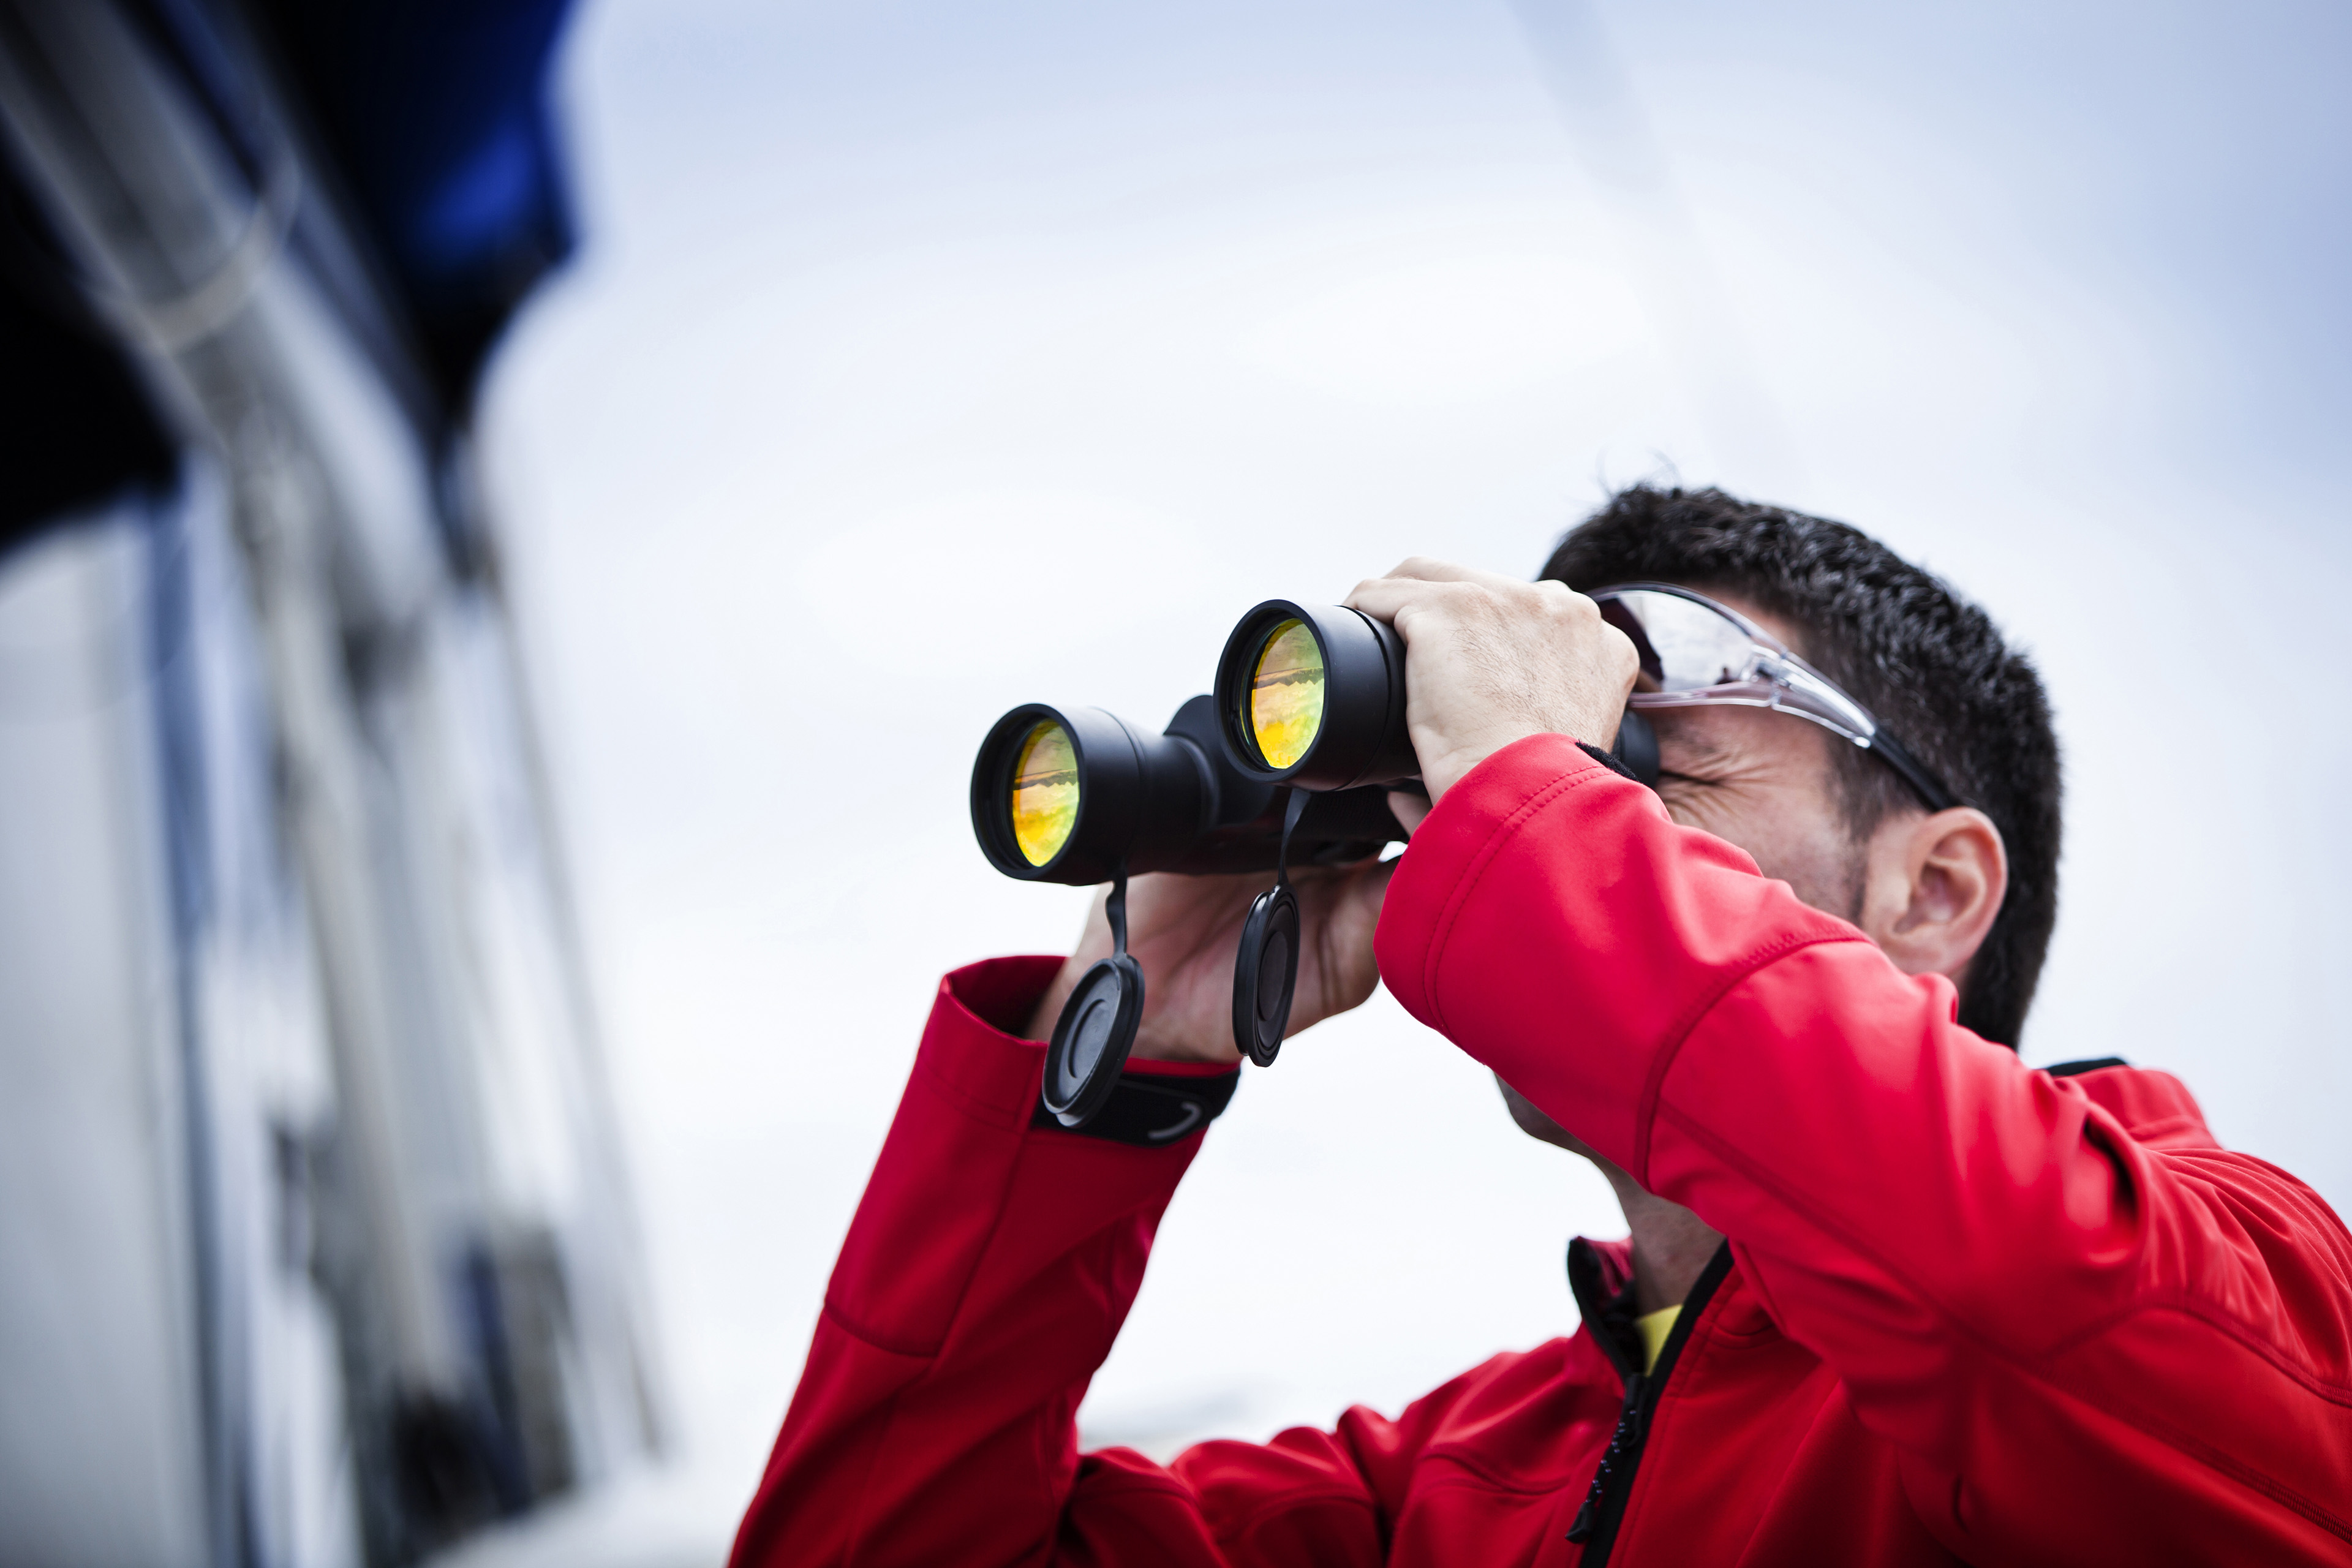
{"x":1420,"y":572}
{"x":1428,"y":569}
{"x":1421,"y":582}
{"x":1385,"y":598}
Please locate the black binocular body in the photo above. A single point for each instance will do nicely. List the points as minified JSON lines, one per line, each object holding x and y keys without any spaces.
{"x":1166,"y":802}
{"x":1288,"y":761}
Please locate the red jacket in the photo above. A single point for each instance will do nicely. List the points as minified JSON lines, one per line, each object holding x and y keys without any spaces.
{"x":1969,"y":1310}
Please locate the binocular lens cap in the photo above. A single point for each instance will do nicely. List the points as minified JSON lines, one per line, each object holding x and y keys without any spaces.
{"x":1265,"y":973}
{"x":1091,"y":1039}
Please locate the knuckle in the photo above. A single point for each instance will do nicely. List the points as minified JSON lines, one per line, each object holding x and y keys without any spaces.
{"x":1623,"y":657}
{"x":1559,"y":603}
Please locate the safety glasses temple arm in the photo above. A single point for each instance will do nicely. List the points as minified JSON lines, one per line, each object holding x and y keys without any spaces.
{"x":1929,"y":788}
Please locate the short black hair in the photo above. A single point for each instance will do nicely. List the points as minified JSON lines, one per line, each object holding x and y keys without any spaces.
{"x":1929,"y":665}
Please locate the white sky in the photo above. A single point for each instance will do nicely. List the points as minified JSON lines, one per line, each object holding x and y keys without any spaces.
{"x":924,"y":359}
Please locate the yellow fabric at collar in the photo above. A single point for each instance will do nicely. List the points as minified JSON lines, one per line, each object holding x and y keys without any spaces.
{"x":1654,"y":1327}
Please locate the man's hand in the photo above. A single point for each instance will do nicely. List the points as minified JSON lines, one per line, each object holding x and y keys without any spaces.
{"x":1490,"y":660}
{"x":1185,"y":930}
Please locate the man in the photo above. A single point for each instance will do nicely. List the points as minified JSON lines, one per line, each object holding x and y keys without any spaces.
{"x":1966,"y":1311}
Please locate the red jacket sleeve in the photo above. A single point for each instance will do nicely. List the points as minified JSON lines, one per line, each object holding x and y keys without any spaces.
{"x":2087,"y":1345}
{"x":986,"y":1273}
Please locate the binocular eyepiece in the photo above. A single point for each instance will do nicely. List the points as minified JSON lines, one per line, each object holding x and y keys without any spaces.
{"x":1288,"y":761}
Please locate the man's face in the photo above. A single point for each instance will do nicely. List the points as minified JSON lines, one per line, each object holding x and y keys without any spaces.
{"x":1759,"y":780}
{"x":1766,"y":782}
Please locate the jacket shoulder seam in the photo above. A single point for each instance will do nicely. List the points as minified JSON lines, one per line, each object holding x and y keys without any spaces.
{"x":2183,"y":1305}
{"x":2228,"y":1464}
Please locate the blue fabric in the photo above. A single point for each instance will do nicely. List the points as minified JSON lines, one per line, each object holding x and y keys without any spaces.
{"x":438,"y":113}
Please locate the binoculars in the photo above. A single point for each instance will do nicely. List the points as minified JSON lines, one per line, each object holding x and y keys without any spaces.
{"x":1287,"y":761}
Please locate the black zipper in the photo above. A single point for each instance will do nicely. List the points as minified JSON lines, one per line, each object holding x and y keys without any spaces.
{"x":1596,"y":1522}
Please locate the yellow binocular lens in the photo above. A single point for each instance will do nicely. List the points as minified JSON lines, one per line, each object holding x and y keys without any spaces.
{"x":1044,"y":793}
{"x":1283,"y":709}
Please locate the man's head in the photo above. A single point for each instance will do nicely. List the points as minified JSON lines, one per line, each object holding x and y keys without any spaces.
{"x":1970,"y":892}
{"x":1973,"y":893}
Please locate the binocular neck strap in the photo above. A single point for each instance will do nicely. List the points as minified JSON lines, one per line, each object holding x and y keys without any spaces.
{"x":1115,"y":907}
{"x":1291,"y":813}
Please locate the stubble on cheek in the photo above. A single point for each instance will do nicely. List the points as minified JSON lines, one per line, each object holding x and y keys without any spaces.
{"x":1829,"y":872}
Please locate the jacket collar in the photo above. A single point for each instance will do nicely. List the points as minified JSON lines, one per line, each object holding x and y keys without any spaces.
{"x":1601,"y":1277}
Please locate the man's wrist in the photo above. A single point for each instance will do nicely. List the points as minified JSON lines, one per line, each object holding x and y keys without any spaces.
{"x":1183,"y":1052}
{"x":1049,"y":1008}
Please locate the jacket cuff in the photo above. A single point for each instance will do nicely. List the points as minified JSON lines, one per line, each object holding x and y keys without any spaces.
{"x":971,"y":1052}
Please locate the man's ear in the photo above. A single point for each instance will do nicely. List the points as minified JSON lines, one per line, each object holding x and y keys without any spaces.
{"x":1933,"y":885}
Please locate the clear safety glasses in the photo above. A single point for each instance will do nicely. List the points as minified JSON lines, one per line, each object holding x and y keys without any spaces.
{"x":1696,"y":652}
